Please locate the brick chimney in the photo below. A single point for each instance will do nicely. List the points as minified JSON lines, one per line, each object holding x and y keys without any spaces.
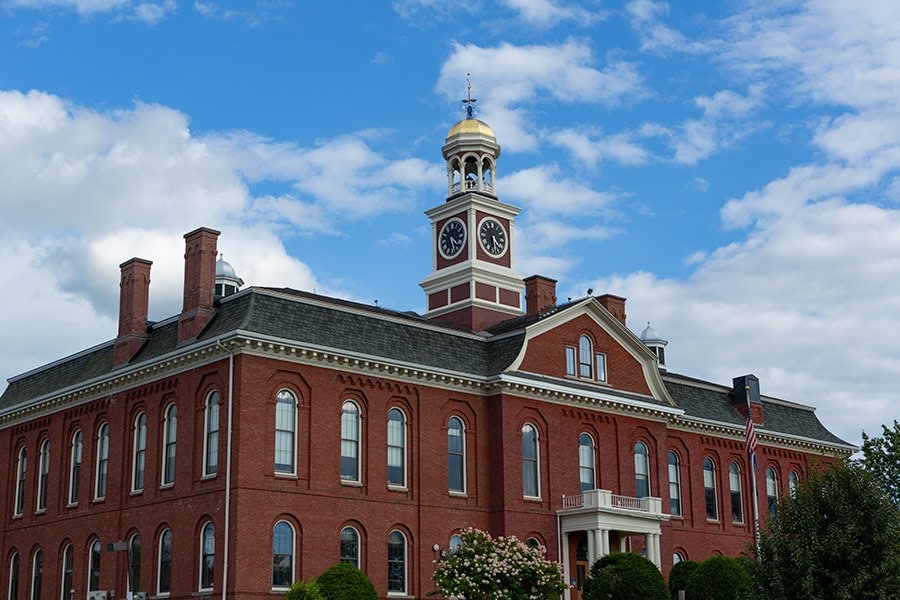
{"x":199,"y":282}
{"x":615,"y":305}
{"x":134,"y":300}
{"x":540,"y":294}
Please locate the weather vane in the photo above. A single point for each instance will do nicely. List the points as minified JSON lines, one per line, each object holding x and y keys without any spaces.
{"x":469,"y":101}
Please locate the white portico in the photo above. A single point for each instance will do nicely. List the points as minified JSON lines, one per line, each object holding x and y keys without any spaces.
{"x":590,"y":521}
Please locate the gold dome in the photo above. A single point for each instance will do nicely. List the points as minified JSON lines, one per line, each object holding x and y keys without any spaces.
{"x":470,"y":126}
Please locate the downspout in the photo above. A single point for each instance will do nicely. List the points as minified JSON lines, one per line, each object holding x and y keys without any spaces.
{"x":228,"y":467}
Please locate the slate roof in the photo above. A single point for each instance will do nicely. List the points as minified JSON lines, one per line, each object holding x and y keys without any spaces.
{"x":703,"y":400}
{"x":362,"y":330}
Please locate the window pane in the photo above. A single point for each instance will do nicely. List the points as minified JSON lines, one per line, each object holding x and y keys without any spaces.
{"x":396,"y":447}
{"x":66,"y":586}
{"x":455,"y":456}
{"x":44,"y":475}
{"x":709,"y":489}
{"x":212,"y":434}
{"x":14,"y":577}
{"x":734,"y":484}
{"x":208,"y":556}
{"x":350,"y":546}
{"x":164,"y":584}
{"x":140,"y":452}
{"x":134,"y":559}
{"x":350,"y":442}
{"x":170,"y":444}
{"x":771,"y":490}
{"x":94,"y":567}
{"x":21,"y":469}
{"x":285,"y":429}
{"x":529,"y":461}
{"x":37,"y":575}
{"x":586,"y":461}
{"x":570,"y":360}
{"x":396,"y":562}
{"x":641,"y":470}
{"x":282,"y":555}
{"x":585,"y":356}
{"x":75,"y":474}
{"x":102,"y":461}
{"x":674,"y":485}
{"x":601,"y":367}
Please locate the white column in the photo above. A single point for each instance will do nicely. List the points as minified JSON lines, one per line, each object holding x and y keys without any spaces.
{"x":653,"y":549}
{"x":592,"y":546}
{"x":604,"y":542}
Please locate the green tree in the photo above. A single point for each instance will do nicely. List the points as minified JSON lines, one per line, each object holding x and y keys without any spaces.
{"x":343,"y":581}
{"x":504,"y":568}
{"x":678,"y":576}
{"x":625,"y":576}
{"x":304,"y":590}
{"x":837,"y":537}
{"x":718,"y":578}
{"x":881,"y":458}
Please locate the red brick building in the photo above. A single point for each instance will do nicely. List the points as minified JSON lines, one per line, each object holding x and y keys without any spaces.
{"x":262,"y":435}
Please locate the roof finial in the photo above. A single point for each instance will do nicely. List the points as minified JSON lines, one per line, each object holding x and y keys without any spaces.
{"x":469,"y":101}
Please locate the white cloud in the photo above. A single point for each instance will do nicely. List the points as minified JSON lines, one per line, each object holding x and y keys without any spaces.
{"x":646,"y":20}
{"x":515,"y":78}
{"x":546,"y":13}
{"x":591,"y":147}
{"x":85,"y":190}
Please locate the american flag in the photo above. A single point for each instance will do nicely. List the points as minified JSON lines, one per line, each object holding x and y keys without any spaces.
{"x":751,"y":435}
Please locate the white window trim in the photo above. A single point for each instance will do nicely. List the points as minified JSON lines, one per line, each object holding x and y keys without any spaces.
{"x":207,"y":431}
{"x":713,"y":487}
{"x":404,"y":448}
{"x":405,"y":591}
{"x":21,"y":479}
{"x":43,"y":477}
{"x":537,"y":461}
{"x":293,"y":470}
{"x":738,"y":478}
{"x":165,"y":447}
{"x":73,"y":496}
{"x":159,"y":557}
{"x":358,"y":544}
{"x":293,"y":576}
{"x":134,"y":454}
{"x":101,"y":459}
{"x":593,"y":457}
{"x":359,"y":418}
{"x":202,"y":554}
{"x":677,"y":482}
{"x":462,"y":431}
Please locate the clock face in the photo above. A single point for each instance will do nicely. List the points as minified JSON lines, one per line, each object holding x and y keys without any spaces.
{"x":452,"y":238}
{"x":492,"y":236}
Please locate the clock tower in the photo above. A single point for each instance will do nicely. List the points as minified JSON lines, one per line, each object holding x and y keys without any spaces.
{"x":472,"y":283}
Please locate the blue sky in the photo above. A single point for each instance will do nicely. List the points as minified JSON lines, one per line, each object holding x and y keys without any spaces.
{"x":729,"y":167}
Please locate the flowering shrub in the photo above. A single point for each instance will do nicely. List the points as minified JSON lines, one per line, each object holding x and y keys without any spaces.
{"x":504,"y":568}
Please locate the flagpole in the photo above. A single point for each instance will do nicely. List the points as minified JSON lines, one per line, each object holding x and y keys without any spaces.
{"x":751,"y":453}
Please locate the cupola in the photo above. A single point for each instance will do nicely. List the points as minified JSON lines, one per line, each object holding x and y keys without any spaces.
{"x":227,"y":281}
{"x":655,"y":342}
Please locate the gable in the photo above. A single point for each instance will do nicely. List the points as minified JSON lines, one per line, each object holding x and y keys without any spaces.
{"x":551,"y":343}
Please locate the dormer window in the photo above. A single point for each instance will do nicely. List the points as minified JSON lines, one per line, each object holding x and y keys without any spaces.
{"x":584,"y":363}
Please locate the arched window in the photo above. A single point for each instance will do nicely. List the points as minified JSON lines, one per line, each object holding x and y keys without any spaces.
{"x":134,"y":562}
{"x":396,"y":565}
{"x":207,"y":556}
{"x":677,"y":558}
{"x":530,"y":461}
{"x":585,"y":357}
{"x":456,"y":455}
{"x":586,"y":461}
{"x":793,"y":482}
{"x":94,"y":567}
{"x":43,"y":476}
{"x":285,"y":431}
{"x":641,"y":470}
{"x":737,"y":500}
{"x":350,"y":433}
{"x":282,"y":555}
{"x":396,"y":448}
{"x":164,"y":569}
{"x":709,"y":489}
{"x":170,"y":438}
{"x":455,"y":543}
{"x":102,"y":462}
{"x":139,"y":460}
{"x":350,"y":546}
{"x":21,"y":472}
{"x":13,"y":577}
{"x":75,"y":467}
{"x":65,"y":588}
{"x":771,"y":490}
{"x":211,"y":439}
{"x":37,"y":574}
{"x":674,"y":485}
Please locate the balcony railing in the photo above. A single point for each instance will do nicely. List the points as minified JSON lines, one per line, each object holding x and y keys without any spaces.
{"x":600,"y":499}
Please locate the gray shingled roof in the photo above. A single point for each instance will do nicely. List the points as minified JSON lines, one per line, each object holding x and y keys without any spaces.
{"x":303,"y":318}
{"x":705,"y":402}
{"x":339,"y":325}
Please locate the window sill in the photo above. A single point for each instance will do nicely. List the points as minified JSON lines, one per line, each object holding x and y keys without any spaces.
{"x":283,"y":475}
{"x":397,"y":488}
{"x":458,"y":494}
{"x":208,"y":476}
{"x":202,"y":593}
{"x":136,"y":492}
{"x":40,"y":511}
{"x":532,"y":499}
{"x":351,"y":483}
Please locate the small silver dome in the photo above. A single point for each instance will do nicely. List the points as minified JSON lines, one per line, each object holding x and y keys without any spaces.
{"x":227,"y":281}
{"x":650,"y":335}
{"x":224,"y":269}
